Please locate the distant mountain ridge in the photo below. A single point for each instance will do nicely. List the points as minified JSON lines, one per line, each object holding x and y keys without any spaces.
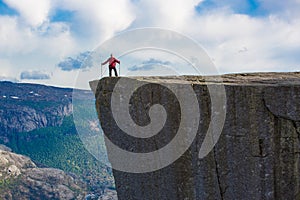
{"x":26,"y":107}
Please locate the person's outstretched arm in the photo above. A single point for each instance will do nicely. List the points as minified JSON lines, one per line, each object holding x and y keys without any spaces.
{"x":105,"y":62}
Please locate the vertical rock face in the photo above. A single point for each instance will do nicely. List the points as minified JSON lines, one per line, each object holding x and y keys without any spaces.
{"x":256,"y":156}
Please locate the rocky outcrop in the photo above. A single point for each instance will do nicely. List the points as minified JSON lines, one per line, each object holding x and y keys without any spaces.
{"x":4,"y":148}
{"x":256,"y":157}
{"x":21,"y":179}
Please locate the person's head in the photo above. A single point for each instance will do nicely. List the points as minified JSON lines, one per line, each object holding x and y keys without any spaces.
{"x":111,"y":55}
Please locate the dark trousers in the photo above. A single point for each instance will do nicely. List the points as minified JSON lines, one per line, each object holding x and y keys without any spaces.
{"x":112,"y":68}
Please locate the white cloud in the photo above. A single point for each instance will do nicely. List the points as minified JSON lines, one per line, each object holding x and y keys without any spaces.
{"x":10,"y":35}
{"x":97,"y":20}
{"x":269,"y":42}
{"x":26,"y":48}
{"x":49,"y":38}
{"x":173,"y":14}
{"x":30,"y":39}
{"x":223,"y":34}
{"x":32,"y":11}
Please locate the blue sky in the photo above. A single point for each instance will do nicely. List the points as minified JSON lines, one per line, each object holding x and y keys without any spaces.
{"x":6,"y":10}
{"x":248,"y":7}
{"x":44,"y":41}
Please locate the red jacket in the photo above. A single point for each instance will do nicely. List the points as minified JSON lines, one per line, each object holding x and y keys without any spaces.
{"x":112,"y":62}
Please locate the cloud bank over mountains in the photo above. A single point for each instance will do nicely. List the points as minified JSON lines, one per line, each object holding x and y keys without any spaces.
{"x":34,"y":75}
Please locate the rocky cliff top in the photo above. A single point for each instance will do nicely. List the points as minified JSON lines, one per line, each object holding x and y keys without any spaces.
{"x":262,"y":78}
{"x":242,"y":78}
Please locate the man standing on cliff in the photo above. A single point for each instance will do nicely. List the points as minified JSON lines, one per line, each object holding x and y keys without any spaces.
{"x":112,"y":61}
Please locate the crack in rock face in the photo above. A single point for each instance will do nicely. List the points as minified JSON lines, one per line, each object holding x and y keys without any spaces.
{"x":283,"y":101}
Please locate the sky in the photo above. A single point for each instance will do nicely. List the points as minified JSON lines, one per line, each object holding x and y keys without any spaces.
{"x":46,"y":41}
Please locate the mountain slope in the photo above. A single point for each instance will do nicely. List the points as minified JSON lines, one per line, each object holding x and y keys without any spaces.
{"x":21,"y":179}
{"x":25,"y":107}
{"x":37,"y":121}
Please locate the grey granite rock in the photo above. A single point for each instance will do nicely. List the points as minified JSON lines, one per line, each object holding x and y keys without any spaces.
{"x":256,"y":157}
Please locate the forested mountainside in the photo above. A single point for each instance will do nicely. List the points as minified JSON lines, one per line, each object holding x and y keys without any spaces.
{"x":37,"y":121}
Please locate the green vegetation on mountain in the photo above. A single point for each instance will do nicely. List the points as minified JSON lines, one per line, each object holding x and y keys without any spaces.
{"x":60,"y":147}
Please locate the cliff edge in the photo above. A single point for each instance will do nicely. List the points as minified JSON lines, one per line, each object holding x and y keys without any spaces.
{"x":255,"y":157}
